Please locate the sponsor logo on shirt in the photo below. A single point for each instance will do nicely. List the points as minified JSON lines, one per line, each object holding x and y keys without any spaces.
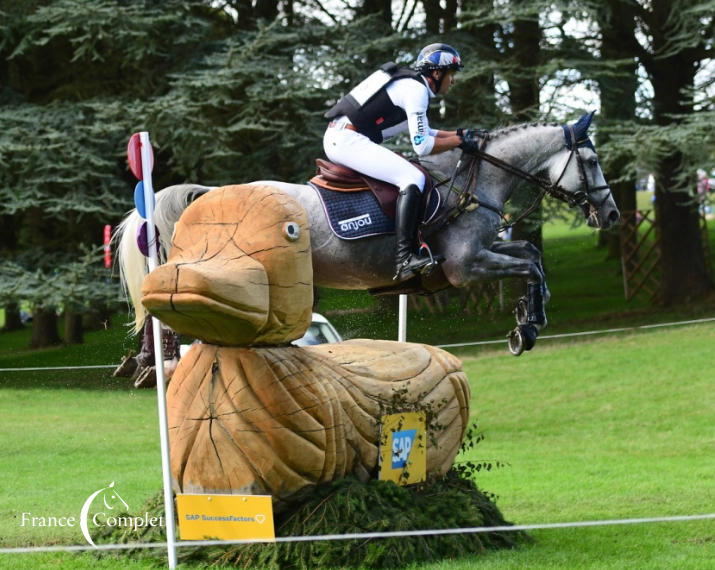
{"x":420,"y":122}
{"x":419,"y":139}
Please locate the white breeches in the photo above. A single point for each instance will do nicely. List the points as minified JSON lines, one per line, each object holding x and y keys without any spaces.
{"x":356,"y":151}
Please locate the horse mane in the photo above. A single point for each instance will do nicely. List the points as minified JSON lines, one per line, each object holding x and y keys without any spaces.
{"x":508,"y":129}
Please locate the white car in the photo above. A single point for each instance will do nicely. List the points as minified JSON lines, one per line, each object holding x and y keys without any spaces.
{"x":320,"y":331}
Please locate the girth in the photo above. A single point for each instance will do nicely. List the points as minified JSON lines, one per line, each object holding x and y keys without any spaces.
{"x":343,"y":179}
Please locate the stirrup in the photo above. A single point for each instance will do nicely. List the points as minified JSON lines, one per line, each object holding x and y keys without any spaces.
{"x":414,"y":265}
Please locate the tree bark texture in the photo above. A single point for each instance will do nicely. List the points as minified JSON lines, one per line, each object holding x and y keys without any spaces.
{"x":683,"y":268}
{"x":44,"y":329}
{"x":235,"y":276}
{"x":74,"y":328}
{"x":618,"y":101}
{"x":383,"y":8}
{"x":13,"y":322}
{"x":278,"y":420}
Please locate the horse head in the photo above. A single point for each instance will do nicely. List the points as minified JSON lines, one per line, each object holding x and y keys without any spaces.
{"x":112,"y":499}
{"x":579,"y":178}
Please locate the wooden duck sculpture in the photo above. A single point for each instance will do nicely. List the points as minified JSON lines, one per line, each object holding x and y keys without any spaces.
{"x":249,"y":413}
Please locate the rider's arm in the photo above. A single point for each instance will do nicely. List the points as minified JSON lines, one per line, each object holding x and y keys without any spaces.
{"x":425,"y":140}
{"x":444,"y":141}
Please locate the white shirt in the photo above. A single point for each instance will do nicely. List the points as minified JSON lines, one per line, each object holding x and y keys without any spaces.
{"x":414,"y":99}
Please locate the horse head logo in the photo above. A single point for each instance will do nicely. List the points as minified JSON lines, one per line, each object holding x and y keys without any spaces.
{"x":111,"y":500}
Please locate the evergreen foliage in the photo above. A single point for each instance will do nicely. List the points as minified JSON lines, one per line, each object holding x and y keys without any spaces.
{"x":235,"y":91}
{"x":348,"y":506}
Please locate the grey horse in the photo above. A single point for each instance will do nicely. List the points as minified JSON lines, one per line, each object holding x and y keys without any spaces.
{"x":559,"y":159}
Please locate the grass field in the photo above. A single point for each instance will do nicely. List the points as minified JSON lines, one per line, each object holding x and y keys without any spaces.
{"x":609,"y":427}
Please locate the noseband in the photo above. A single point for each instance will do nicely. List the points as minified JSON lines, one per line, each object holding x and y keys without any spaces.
{"x":580,"y":197}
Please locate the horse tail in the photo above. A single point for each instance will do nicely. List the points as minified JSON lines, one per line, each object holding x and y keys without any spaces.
{"x":133,"y":267}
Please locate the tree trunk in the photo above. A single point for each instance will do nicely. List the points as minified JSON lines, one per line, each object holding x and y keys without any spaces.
{"x":381,"y":7}
{"x":433,"y":16}
{"x":44,"y":329}
{"x":682,"y":263}
{"x":13,"y":322}
{"x":472,"y":101}
{"x":524,"y":93}
{"x":683,"y":268}
{"x":74,"y":330}
{"x":618,"y":102}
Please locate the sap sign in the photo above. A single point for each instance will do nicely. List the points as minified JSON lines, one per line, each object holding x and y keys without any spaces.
{"x":402,"y":443}
{"x":403,"y":458}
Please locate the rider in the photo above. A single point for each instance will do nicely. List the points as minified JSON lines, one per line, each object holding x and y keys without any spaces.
{"x":381,"y":107}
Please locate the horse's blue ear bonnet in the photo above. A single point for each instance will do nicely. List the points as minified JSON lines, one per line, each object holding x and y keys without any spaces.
{"x":580,"y":129}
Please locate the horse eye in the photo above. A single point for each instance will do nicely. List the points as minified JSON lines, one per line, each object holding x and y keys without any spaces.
{"x":593,"y":162}
{"x":291,"y":231}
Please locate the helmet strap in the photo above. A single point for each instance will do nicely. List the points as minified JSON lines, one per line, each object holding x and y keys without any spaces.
{"x":437,"y":82}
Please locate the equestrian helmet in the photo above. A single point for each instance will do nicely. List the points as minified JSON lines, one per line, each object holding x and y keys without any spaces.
{"x":438,"y":56}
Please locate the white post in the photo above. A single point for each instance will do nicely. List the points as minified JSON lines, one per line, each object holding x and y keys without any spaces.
{"x":159,"y":354}
{"x":402,"y":325}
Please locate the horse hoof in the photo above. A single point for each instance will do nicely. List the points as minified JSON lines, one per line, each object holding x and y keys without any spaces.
{"x":522,"y":338}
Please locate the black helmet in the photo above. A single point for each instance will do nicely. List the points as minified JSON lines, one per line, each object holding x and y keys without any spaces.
{"x":438,"y":56}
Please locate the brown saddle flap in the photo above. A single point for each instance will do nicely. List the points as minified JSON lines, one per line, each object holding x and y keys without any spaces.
{"x":343,"y":179}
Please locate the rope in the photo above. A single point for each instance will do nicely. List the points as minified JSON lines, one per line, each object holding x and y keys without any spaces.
{"x":58,"y":368}
{"x":485,"y":342}
{"x":362,"y":536}
{"x":586,"y":333}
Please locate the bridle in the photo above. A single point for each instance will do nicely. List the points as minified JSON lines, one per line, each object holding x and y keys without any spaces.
{"x":467,"y":199}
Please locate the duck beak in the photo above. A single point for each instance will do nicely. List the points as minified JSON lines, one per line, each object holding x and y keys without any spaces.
{"x":221,"y":298}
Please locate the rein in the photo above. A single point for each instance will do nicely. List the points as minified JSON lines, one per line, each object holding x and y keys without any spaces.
{"x":468,"y":201}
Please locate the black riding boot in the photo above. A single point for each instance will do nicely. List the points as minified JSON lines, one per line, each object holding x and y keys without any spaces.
{"x":406,"y":212}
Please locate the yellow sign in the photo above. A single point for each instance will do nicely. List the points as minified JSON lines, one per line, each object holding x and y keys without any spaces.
{"x":226,"y":517}
{"x":403,"y":446}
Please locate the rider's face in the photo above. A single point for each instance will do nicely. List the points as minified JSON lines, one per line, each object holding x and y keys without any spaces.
{"x":447,"y":82}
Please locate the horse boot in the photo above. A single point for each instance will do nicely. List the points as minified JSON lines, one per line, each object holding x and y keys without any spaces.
{"x":127,"y":367}
{"x":406,"y":212}
{"x":132,"y":366}
{"x":536,"y":314}
{"x":145,"y":358}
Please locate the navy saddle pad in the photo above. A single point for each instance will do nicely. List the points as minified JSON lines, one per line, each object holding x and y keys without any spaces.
{"x":355,"y":215}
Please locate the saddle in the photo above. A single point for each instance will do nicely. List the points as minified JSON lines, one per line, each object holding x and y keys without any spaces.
{"x":343,"y":179}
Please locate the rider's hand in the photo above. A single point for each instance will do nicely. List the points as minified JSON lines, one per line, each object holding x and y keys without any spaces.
{"x":470,"y":146}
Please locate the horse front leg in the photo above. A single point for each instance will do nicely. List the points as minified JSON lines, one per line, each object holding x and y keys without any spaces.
{"x":490,"y":265}
{"x":524,"y":250}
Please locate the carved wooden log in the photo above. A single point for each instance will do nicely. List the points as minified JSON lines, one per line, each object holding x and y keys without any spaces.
{"x":277,"y":420}
{"x":239,"y":272}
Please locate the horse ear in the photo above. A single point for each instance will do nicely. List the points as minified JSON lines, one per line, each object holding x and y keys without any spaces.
{"x":581,"y":126}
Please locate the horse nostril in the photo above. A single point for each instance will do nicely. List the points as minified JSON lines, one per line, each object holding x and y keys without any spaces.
{"x":613,"y":216}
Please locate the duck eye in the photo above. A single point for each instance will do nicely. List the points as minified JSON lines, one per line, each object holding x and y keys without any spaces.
{"x":291,"y":231}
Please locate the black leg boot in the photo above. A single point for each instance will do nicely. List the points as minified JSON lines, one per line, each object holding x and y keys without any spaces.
{"x":406,"y":212}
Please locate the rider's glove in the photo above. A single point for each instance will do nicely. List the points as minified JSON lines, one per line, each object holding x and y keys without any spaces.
{"x":462,"y":133}
{"x":470,"y":146}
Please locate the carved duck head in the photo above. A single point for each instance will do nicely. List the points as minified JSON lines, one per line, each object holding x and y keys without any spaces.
{"x":239,"y":272}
